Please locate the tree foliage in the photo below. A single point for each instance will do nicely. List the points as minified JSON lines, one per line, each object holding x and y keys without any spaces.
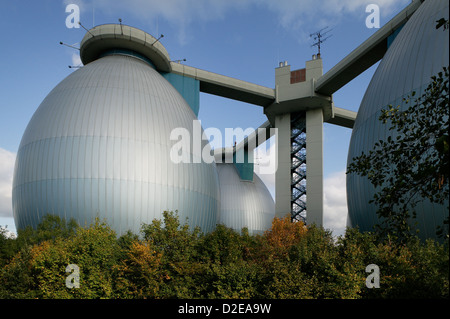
{"x":38,"y":270}
{"x":412,"y":164}
{"x":168,"y":259}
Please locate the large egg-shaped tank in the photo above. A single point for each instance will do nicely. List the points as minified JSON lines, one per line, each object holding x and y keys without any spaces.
{"x":244,"y":203}
{"x":418,"y":52}
{"x":99,"y":144}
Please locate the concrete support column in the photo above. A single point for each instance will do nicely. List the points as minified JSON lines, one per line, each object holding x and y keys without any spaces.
{"x":294,"y":92}
{"x":314,"y":166}
{"x":283,"y":173}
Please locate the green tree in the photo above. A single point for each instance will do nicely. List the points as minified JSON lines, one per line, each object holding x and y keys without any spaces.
{"x":442,"y":23}
{"x":228,"y":257}
{"x":51,"y":227}
{"x":39,"y":270}
{"x":16,"y":278}
{"x":7,"y":246}
{"x":181,"y":271}
{"x":170,"y":260}
{"x":95,"y":251}
{"x":414,"y":164}
{"x":139,"y":274}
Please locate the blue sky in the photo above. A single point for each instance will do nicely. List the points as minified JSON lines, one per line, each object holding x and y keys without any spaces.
{"x":244,"y":39}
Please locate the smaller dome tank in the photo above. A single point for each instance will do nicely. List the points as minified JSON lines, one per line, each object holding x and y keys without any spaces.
{"x":244,"y":203}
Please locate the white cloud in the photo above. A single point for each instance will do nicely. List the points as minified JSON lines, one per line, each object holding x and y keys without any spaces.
{"x":76,"y":60}
{"x":179,"y":13}
{"x":176,"y":11}
{"x":7,"y":160}
{"x":335,"y":203}
{"x":291,"y":14}
{"x":305,"y":16}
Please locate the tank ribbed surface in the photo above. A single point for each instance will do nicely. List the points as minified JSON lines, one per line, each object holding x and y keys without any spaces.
{"x":418,"y":52}
{"x":99,"y":146}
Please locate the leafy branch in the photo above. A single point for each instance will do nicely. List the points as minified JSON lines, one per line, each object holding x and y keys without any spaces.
{"x":413,"y":162}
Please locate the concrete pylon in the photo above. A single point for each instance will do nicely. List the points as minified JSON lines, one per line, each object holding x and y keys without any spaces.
{"x":299,"y":113}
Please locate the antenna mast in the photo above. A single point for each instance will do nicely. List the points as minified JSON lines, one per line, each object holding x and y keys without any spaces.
{"x":319,"y":38}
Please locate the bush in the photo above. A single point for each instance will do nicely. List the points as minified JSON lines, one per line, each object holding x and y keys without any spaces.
{"x":171,"y":260}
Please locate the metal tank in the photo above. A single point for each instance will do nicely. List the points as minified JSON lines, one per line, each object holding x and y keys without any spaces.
{"x":99,"y":144}
{"x":243,"y":203}
{"x":417,"y":52}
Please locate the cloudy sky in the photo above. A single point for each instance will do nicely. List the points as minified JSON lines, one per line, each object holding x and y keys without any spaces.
{"x":244,"y":39}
